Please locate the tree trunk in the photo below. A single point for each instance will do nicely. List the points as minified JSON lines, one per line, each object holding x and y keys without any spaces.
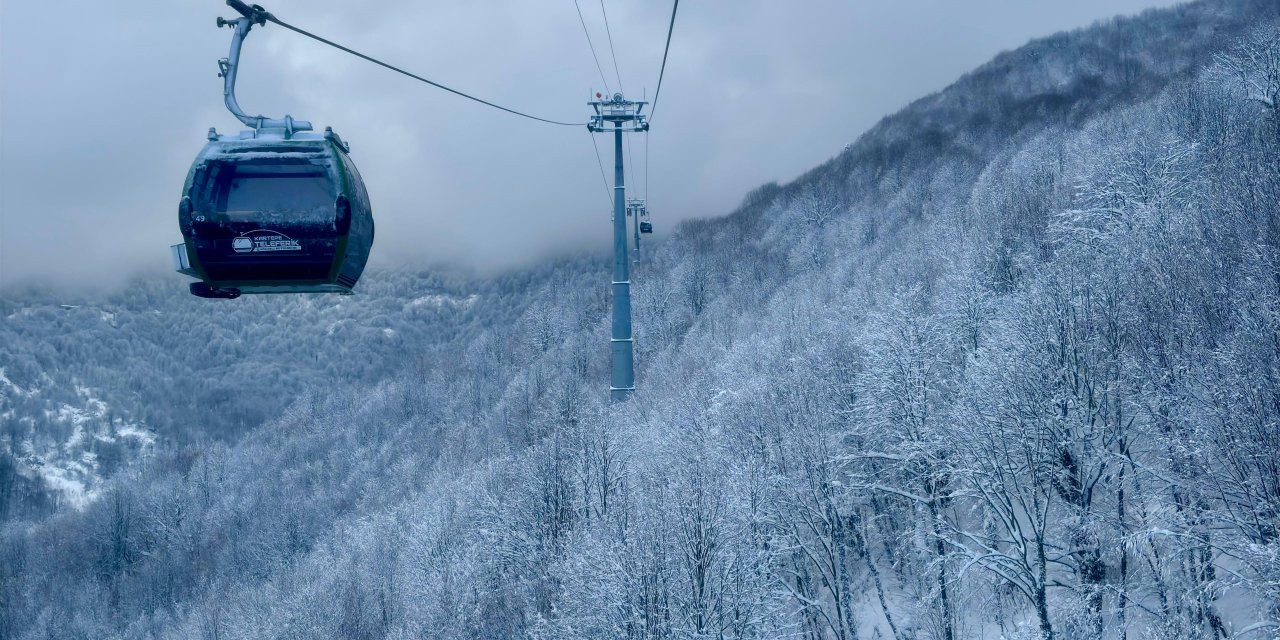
{"x":944,"y":598}
{"x":1042,"y":599}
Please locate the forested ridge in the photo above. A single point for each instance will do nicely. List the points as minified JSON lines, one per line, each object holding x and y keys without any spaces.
{"x":1009,"y":366}
{"x":93,"y":381}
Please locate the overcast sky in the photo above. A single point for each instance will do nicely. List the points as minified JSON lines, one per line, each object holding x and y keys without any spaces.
{"x":103,"y":105}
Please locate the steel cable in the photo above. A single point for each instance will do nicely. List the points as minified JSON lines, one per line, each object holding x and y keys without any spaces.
{"x":671,"y":27}
{"x":612,"y":53}
{"x":380,"y":63}
{"x":593,"y":46}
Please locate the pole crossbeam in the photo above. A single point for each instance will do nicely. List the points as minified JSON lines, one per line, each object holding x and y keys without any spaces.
{"x":618,"y":111}
{"x":619,"y":115}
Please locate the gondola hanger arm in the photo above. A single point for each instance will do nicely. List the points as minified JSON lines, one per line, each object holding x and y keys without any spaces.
{"x":229,"y":65}
{"x":255,"y":13}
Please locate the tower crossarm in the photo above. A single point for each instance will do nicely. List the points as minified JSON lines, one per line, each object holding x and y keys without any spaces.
{"x":619,"y":112}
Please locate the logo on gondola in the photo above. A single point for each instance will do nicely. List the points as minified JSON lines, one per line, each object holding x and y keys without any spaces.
{"x":260,"y":240}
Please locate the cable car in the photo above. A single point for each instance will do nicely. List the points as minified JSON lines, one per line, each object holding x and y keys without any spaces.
{"x":646,"y":227}
{"x":273,"y":209}
{"x":266,"y":214}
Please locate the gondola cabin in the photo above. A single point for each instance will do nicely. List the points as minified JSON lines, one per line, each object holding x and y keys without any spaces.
{"x":266,"y":212}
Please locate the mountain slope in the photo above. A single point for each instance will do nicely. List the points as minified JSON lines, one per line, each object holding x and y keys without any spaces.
{"x":1008,"y":367}
{"x":89,"y":384}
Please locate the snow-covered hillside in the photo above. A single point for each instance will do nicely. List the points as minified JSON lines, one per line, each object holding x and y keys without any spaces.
{"x":90,"y":385}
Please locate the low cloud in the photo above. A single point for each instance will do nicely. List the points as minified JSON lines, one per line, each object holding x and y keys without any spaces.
{"x":103,"y":109}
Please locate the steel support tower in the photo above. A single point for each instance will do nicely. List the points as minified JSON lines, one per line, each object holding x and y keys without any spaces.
{"x":619,"y":115}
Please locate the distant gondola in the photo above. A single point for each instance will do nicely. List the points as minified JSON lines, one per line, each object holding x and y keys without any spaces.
{"x":272,"y":209}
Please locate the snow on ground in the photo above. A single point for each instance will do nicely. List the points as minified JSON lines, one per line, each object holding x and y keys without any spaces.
{"x":434,"y":300}
{"x":6,"y":382}
{"x":73,"y":490}
{"x":70,"y":468}
{"x":440,"y":300}
{"x":71,"y":415}
{"x":74,"y":441}
{"x":92,"y":403}
{"x":147,"y":438}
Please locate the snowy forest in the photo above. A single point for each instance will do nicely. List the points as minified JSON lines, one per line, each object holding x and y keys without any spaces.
{"x":1007,"y":367}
